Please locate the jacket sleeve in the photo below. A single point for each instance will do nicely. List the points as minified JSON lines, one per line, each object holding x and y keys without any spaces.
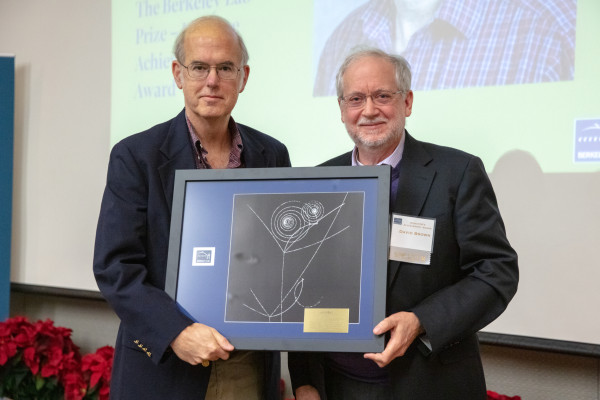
{"x":486,"y":261}
{"x":130,"y":254}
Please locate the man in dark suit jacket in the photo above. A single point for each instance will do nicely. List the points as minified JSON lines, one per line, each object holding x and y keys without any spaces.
{"x":433,"y":311}
{"x":160,"y":352}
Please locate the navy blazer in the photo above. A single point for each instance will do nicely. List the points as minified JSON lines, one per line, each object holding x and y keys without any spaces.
{"x":471,"y":279}
{"x":130,"y":259}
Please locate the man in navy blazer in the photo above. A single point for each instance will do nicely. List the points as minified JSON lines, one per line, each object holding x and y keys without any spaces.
{"x":433,"y":311}
{"x":160,"y":352}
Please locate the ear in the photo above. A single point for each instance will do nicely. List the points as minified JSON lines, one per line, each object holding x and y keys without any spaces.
{"x":177,"y":72}
{"x":246,"y":69}
{"x":341,"y":109}
{"x":408,"y":101}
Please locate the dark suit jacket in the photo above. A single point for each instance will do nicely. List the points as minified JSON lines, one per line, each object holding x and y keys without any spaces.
{"x":472,"y":277}
{"x":130,"y":259}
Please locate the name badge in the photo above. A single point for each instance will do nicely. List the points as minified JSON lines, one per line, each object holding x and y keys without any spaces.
{"x":411,"y":239}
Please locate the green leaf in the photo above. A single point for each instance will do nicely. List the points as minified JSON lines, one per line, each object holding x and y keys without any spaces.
{"x":39,"y":382}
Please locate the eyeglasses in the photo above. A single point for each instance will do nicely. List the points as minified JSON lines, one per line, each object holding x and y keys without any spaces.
{"x":380,"y":98}
{"x":225,"y":71}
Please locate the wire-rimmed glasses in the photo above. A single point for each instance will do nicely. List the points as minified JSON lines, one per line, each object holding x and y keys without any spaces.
{"x":380,"y":98}
{"x":198,"y":70}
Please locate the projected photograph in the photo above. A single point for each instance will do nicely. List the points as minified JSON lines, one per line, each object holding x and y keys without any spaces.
{"x":292,"y":251}
{"x":452,"y":44}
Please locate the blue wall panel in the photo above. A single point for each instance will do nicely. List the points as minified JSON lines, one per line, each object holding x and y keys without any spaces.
{"x":7,"y":107}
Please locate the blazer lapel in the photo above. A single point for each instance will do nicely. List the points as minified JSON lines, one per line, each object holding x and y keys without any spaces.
{"x":253,"y":150}
{"x":178,"y":154}
{"x":414,"y":183}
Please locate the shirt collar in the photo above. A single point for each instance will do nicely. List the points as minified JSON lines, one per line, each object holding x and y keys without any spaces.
{"x":393,"y":159}
{"x":235,"y":154}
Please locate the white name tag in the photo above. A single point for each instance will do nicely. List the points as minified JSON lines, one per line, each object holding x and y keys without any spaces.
{"x":412,"y":239}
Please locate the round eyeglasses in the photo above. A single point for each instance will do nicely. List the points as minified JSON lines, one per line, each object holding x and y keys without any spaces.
{"x":225,"y":71}
{"x":380,"y":98}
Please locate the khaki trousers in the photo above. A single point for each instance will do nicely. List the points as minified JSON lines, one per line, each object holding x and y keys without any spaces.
{"x":239,"y":377}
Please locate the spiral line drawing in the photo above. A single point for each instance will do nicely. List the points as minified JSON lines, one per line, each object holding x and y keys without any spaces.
{"x":290,"y":226}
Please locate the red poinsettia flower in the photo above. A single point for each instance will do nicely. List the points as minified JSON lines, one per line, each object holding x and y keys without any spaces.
{"x":8,"y":347}
{"x":32,"y":360}
{"x":22,"y":330}
{"x":72,"y":378}
{"x":53,"y":362}
{"x":99,"y":367}
{"x":495,"y":396}
{"x":49,"y":347}
{"x":15,"y":333}
{"x":7,"y":350}
{"x":74,"y":385}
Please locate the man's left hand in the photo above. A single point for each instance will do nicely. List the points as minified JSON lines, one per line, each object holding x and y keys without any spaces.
{"x":404,"y":327}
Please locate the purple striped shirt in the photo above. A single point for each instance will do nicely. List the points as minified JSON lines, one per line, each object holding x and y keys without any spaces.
{"x":235,"y":154}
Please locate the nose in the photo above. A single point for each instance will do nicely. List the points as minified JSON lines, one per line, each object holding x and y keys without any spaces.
{"x":370,"y":109}
{"x":213,"y":78}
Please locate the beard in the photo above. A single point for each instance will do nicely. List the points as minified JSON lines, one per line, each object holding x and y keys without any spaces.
{"x":391,"y":134}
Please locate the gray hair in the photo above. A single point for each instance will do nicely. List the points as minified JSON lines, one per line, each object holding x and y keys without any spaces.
{"x":403,"y":74}
{"x":178,"y":48}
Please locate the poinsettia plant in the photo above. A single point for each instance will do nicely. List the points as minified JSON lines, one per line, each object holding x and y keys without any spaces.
{"x":96,"y":368}
{"x":496,"y":396}
{"x":40,"y":361}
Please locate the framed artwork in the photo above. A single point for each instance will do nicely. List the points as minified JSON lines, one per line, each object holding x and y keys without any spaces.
{"x":291,"y":259}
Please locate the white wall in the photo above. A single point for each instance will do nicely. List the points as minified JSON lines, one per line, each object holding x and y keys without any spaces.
{"x":62,"y":121}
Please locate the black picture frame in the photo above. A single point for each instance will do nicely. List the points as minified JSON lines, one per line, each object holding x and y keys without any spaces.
{"x":256,"y":253}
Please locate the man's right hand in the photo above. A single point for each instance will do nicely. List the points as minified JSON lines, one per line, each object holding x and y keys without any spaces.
{"x":198,"y":343}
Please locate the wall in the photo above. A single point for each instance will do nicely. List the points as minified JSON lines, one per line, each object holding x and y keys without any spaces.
{"x":536,"y":375}
{"x":61,"y":135}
